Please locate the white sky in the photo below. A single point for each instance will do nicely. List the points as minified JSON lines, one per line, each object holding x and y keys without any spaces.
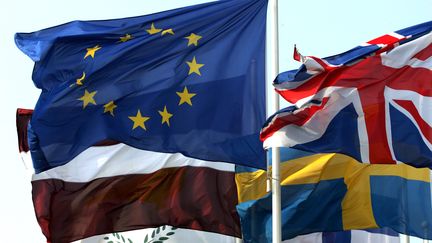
{"x":319,"y":28}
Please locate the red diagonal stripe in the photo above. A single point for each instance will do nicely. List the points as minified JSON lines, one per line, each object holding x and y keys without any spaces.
{"x":425,"y":53}
{"x":418,"y":80}
{"x":425,"y":128}
{"x":298,"y":118}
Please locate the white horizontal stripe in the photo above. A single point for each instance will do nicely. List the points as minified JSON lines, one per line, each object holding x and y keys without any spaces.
{"x":121,"y":159}
{"x":361,"y":236}
{"x":357,"y":236}
{"x":396,"y":35}
{"x":416,"y":63}
{"x":309,"y":238}
{"x":180,"y":235}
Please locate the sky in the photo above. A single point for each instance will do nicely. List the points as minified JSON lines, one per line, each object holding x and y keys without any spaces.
{"x":319,"y":28}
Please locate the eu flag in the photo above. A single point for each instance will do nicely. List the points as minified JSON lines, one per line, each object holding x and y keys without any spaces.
{"x":189,"y":80}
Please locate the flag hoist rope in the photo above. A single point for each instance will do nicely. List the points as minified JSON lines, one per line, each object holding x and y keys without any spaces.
{"x":272,"y":70}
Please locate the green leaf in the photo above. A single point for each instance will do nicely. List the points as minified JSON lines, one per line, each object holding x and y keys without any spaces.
{"x":163,"y":238}
{"x":158,"y":230}
{"x":123,"y":238}
{"x":173,"y":228}
{"x":117,"y":235}
{"x":130,"y":241}
{"x":106,"y":238}
{"x":153,"y":233}
{"x":158,"y":241}
{"x":146,"y":239}
{"x":110,"y":241}
{"x":170,"y":233}
{"x":163,"y":227}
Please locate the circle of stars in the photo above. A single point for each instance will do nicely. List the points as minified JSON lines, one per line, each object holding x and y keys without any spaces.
{"x":138,"y":120}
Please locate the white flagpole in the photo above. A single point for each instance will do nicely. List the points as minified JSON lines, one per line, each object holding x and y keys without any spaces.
{"x":404,"y":239}
{"x":273,"y":71}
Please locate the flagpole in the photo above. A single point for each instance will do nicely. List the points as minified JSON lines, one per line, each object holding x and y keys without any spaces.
{"x":273,"y":71}
{"x":404,"y":239}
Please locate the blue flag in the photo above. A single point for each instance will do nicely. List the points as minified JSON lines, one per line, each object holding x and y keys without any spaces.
{"x":190,"y":80}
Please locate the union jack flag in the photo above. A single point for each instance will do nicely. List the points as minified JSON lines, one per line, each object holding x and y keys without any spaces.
{"x":373,"y":102}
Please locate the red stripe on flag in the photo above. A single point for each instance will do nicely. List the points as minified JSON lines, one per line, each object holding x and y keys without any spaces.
{"x":181,"y":197}
{"x":296,"y":55}
{"x":298,"y":118}
{"x":409,"y":78}
{"x":425,"y":128}
{"x":23,"y":117}
{"x":384,"y":40}
{"x":425,"y":53}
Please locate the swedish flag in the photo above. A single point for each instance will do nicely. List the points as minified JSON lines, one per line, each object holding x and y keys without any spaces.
{"x":334,"y":192}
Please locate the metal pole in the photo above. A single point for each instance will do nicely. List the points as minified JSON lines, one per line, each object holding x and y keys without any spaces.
{"x":273,"y":71}
{"x":404,"y":239}
{"x":276,"y":197}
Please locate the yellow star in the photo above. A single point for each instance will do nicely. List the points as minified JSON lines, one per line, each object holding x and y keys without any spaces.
{"x":153,"y":30}
{"x":125,"y":38}
{"x":194,"y":67}
{"x":185,"y":96}
{"x":109,"y":107}
{"x":139,"y":120}
{"x":193,"y":39}
{"x":165,"y":116}
{"x":88,"y":98}
{"x":168,"y":31}
{"x":91,"y":51}
{"x":79,"y":80}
